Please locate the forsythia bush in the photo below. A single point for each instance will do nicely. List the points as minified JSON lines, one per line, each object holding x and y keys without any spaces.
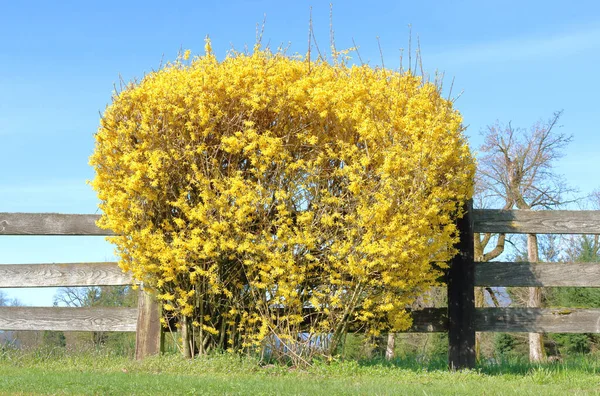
{"x":266,"y":196}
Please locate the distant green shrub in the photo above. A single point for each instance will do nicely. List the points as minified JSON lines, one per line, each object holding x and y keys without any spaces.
{"x":55,"y":339}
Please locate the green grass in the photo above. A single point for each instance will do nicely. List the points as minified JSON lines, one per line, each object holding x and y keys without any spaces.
{"x":52,"y":372}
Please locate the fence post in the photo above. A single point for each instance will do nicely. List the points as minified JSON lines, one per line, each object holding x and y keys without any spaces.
{"x":461,"y":297}
{"x":148,"y":336}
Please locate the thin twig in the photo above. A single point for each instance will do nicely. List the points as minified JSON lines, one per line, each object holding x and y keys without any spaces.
{"x":357,"y":53}
{"x":331,"y":35}
{"x":409,"y":48}
{"x":451,"y":86}
{"x":309,"y":37}
{"x":401,"y":60}
{"x":262,"y":29}
{"x":317,"y":46}
{"x":380,"y":52}
{"x":420,"y":58}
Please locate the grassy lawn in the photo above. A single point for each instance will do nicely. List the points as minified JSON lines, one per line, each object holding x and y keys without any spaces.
{"x":100,"y":373}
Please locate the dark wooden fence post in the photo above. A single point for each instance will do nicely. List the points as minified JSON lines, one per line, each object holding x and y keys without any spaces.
{"x":148,"y":337}
{"x":461,"y":297}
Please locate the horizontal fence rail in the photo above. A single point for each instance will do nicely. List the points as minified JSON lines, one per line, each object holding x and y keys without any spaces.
{"x":429,"y":320}
{"x":502,"y":274}
{"x":69,"y":319}
{"x":536,"y":221}
{"x":484,"y":220}
{"x":50,"y":224}
{"x":62,"y":275}
{"x":538,"y":320}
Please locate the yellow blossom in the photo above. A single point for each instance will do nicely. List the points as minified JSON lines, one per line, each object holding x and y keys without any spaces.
{"x":244,"y":188}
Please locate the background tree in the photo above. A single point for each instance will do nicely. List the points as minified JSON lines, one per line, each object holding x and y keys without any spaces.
{"x":3,"y":299}
{"x":6,"y":301}
{"x":516,"y":169}
{"x":54,"y":339}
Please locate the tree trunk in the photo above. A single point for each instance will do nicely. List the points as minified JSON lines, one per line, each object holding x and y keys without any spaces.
{"x":185,"y":338}
{"x":480,"y":244}
{"x":536,"y":340}
{"x":479,"y":302}
{"x":389,"y":350}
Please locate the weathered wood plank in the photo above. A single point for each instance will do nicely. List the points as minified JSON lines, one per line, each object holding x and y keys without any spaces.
{"x":537,"y":274}
{"x":429,"y":320}
{"x":425,"y":320}
{"x":61,"y":275}
{"x":68,"y":319}
{"x":149,"y":334}
{"x":538,"y":320}
{"x":461,"y":297}
{"x":50,"y":224}
{"x":537,"y":222}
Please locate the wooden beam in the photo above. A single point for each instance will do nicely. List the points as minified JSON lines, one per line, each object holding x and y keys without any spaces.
{"x":537,"y":274}
{"x":425,"y":320}
{"x":149,"y":334}
{"x":461,"y":297}
{"x":485,"y":220}
{"x":537,"y":221}
{"x":429,"y":320}
{"x":538,"y":320}
{"x":68,"y":319}
{"x":61,"y":275}
{"x":50,"y":224}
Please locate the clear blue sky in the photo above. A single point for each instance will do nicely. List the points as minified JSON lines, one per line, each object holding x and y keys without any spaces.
{"x":515,"y":61}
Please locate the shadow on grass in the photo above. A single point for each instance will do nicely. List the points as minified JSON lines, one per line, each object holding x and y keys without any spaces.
{"x":589,"y":364}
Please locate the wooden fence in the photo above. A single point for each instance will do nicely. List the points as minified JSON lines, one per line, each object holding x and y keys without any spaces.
{"x":143,"y":320}
{"x":464,"y":274}
{"x":460,"y":319}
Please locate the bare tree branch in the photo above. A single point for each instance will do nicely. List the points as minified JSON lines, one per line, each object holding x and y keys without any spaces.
{"x":517,"y":165}
{"x":516,"y":169}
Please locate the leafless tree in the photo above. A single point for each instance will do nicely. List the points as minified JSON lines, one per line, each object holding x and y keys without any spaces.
{"x":517,"y":165}
{"x":77,"y":296}
{"x":595,"y":197}
{"x":6,"y":301}
{"x":517,"y":170}
{"x":3,"y":299}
